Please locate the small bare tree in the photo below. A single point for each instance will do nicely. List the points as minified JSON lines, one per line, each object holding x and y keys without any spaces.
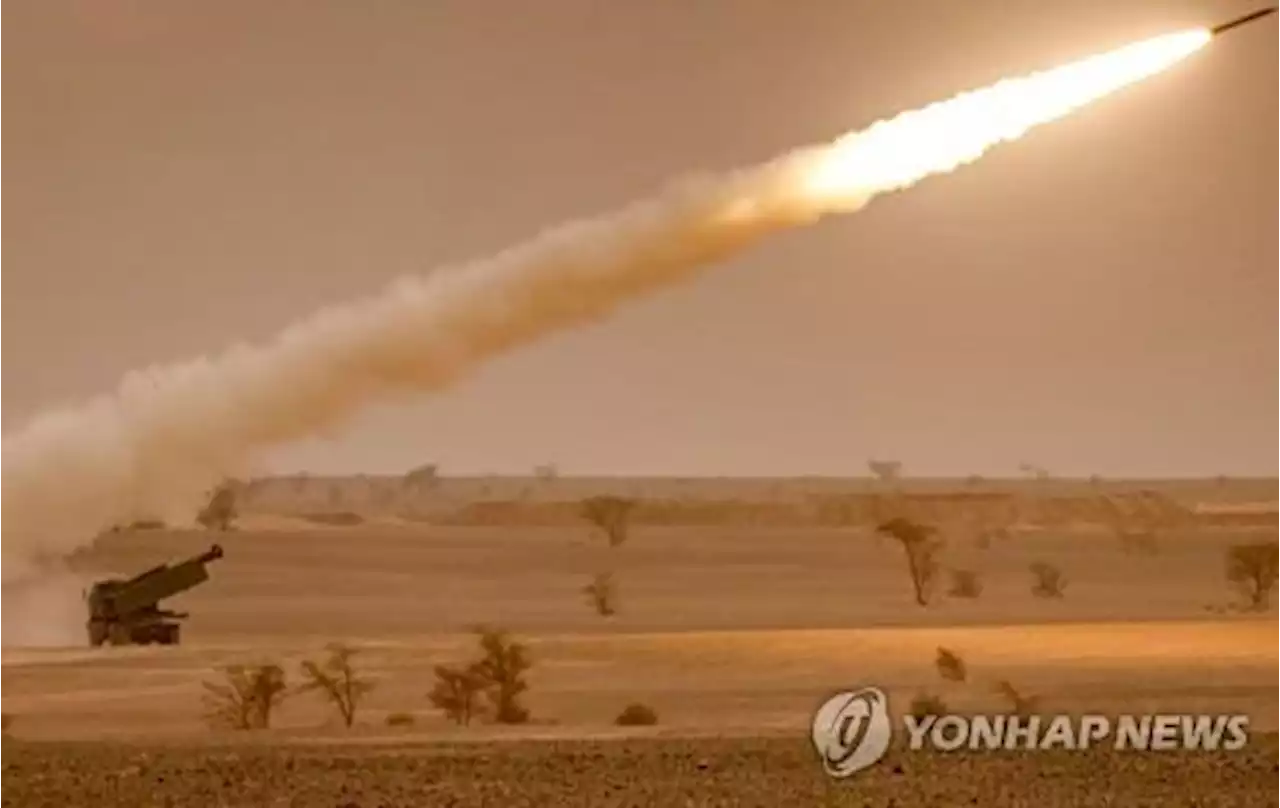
{"x":220,"y":511}
{"x":247,"y":698}
{"x":268,"y":689}
{"x":886,"y":471}
{"x":502,"y":669}
{"x":602,"y":594}
{"x":921,"y":545}
{"x":611,"y":514}
{"x":1252,"y":569}
{"x":950,"y":665}
{"x":455,"y":692}
{"x":424,"y":476}
{"x":336,"y":679}
{"x":1049,"y":582}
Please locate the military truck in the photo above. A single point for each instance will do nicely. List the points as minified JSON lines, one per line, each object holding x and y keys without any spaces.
{"x":127,"y":611}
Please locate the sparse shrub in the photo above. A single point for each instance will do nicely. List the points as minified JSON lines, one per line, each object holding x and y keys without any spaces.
{"x":602,"y":594}
{"x":336,"y":679}
{"x":6,"y":721}
{"x":502,"y":669}
{"x":399,"y":720}
{"x":921,"y":546}
{"x":1252,"y":569}
{"x":965,"y":584}
{"x":1020,"y":704}
{"x":1049,"y":581}
{"x":950,"y":665}
{"x":247,"y":698}
{"x":611,"y":514}
{"x":925,"y":705}
{"x":455,"y":692}
{"x":637,"y":715}
{"x":220,"y":512}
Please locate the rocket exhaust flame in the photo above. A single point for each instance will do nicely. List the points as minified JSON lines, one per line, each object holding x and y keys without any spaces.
{"x":155,"y":446}
{"x":941,"y":137}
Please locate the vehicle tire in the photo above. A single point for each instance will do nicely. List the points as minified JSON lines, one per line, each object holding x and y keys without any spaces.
{"x":118,"y":634}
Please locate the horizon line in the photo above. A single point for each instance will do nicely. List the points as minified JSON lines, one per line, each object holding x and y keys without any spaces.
{"x":533,"y":474}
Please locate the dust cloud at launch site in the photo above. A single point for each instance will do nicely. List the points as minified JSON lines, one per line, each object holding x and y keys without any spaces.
{"x":154,"y":447}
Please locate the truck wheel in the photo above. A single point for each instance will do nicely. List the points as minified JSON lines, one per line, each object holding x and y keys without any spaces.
{"x":167,"y":635}
{"x":119,"y":635}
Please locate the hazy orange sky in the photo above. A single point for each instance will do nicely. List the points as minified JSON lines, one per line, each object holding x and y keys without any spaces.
{"x":1098,"y":297}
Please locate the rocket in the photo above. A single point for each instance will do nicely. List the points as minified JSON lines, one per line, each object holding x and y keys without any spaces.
{"x":1238,"y":21}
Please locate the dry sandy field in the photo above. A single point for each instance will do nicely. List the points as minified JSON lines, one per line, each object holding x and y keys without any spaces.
{"x":753,"y":773}
{"x":732,"y":634}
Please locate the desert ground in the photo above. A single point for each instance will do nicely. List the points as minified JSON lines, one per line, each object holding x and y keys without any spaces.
{"x":732,"y":632}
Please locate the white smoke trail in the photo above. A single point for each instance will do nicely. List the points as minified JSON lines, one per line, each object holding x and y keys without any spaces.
{"x":155,"y":446}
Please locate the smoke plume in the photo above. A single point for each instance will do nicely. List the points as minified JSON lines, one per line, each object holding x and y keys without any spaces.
{"x":155,"y":446}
